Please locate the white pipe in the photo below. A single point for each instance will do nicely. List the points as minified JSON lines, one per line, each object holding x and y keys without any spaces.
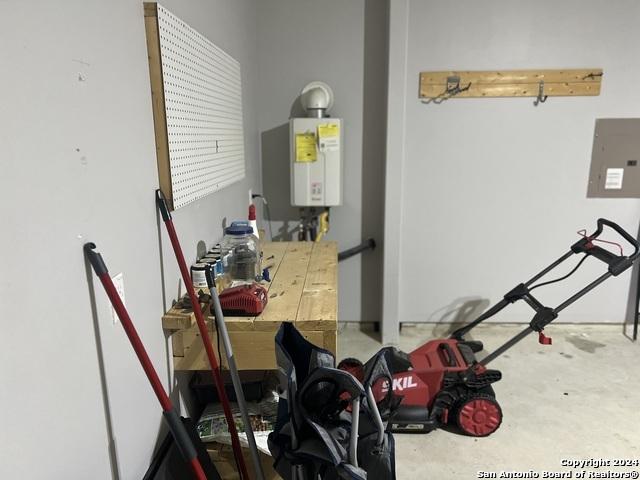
{"x":376,"y":415}
{"x":355,"y":420}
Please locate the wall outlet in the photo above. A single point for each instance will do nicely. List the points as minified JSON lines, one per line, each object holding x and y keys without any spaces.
{"x":118,"y":281}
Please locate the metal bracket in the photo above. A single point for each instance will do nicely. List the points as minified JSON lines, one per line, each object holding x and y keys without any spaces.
{"x":452,"y":89}
{"x":453,"y":83}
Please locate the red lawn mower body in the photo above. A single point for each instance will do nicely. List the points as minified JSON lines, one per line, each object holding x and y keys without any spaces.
{"x":446,"y":384}
{"x":429,"y":368}
{"x":443,"y":383}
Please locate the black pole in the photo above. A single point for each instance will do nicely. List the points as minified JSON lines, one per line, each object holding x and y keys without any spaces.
{"x":636,"y":313}
{"x":582,"y":292}
{"x":495,"y":354}
{"x":461,"y":332}
{"x":370,"y":243}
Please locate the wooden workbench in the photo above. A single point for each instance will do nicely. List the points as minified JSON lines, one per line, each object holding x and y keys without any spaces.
{"x":303,"y":290}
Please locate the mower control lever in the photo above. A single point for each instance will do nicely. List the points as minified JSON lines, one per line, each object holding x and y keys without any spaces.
{"x":543,"y":339}
{"x":617,"y":263}
{"x":621,"y":231}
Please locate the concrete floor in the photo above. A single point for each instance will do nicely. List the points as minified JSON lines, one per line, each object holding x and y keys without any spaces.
{"x":576,"y":399}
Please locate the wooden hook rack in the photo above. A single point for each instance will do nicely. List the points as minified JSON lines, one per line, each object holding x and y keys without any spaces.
{"x":441,"y":86}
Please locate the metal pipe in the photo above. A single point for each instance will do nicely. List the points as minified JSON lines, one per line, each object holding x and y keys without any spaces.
{"x":461,"y":332}
{"x":376,"y":414}
{"x":636,"y":313}
{"x":495,"y":354}
{"x":370,"y":243}
{"x":316,"y":112}
{"x":355,"y":423}
{"x":237,"y":384}
{"x":582,"y":292}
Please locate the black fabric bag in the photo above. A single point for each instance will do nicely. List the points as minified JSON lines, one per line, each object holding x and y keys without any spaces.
{"x":168,"y":463}
{"x":326,"y":425}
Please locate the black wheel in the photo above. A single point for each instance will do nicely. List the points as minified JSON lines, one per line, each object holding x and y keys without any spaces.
{"x":354,"y":366}
{"x":478,"y":414}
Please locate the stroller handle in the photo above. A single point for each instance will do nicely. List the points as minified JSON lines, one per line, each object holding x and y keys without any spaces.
{"x":602,"y":222}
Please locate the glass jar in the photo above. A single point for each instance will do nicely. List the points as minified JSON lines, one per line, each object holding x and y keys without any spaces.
{"x":240,"y":255}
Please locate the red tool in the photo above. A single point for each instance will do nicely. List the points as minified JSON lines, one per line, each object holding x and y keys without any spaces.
{"x":442,"y":382}
{"x":204,"y":335}
{"x":244,"y":300}
{"x":172,"y":418}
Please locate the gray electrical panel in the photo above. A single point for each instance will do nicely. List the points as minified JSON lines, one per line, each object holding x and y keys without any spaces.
{"x":615,"y":159}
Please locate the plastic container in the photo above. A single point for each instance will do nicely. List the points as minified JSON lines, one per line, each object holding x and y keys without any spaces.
{"x":198,"y":276}
{"x":240,"y":251}
{"x":209,"y":258}
{"x":214,"y":263}
{"x":247,"y":223}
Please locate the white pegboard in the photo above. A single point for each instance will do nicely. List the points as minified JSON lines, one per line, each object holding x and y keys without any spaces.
{"x":203,"y":102}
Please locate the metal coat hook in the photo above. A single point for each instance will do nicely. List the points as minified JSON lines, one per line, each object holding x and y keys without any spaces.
{"x":452,"y":89}
{"x":541,"y":98}
{"x":593,"y":75}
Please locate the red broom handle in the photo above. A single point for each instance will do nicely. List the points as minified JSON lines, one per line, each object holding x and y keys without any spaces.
{"x":170,"y":415}
{"x":197,"y":469}
{"x":204,"y":335}
{"x":136,"y":343}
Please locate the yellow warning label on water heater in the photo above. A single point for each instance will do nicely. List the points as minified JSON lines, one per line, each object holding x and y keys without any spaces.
{"x":329,"y":137}
{"x":328,"y":130}
{"x":306,"y":147}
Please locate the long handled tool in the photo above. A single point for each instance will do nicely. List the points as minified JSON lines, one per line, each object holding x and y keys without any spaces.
{"x":176,"y":427}
{"x":204,"y":335}
{"x":235,"y":377}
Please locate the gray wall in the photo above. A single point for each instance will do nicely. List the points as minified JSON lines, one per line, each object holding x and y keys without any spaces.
{"x":374,"y":129}
{"x":78,"y":164}
{"x":494,"y":189}
{"x":337,"y":42}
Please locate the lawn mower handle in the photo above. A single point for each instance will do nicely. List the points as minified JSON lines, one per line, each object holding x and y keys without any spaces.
{"x":617,"y":264}
{"x":621,"y":231}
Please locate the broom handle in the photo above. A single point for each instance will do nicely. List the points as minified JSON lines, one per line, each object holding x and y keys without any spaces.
{"x":179,"y":432}
{"x":204,"y":335}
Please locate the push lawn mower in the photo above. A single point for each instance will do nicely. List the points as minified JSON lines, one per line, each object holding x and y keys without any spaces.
{"x":443,"y":383}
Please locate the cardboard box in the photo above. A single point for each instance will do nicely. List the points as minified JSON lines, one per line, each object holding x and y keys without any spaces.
{"x":222,"y":456}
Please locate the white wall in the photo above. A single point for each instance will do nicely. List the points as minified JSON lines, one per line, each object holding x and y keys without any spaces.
{"x":78,"y":164}
{"x":494,"y":189}
{"x":336,"y":42}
